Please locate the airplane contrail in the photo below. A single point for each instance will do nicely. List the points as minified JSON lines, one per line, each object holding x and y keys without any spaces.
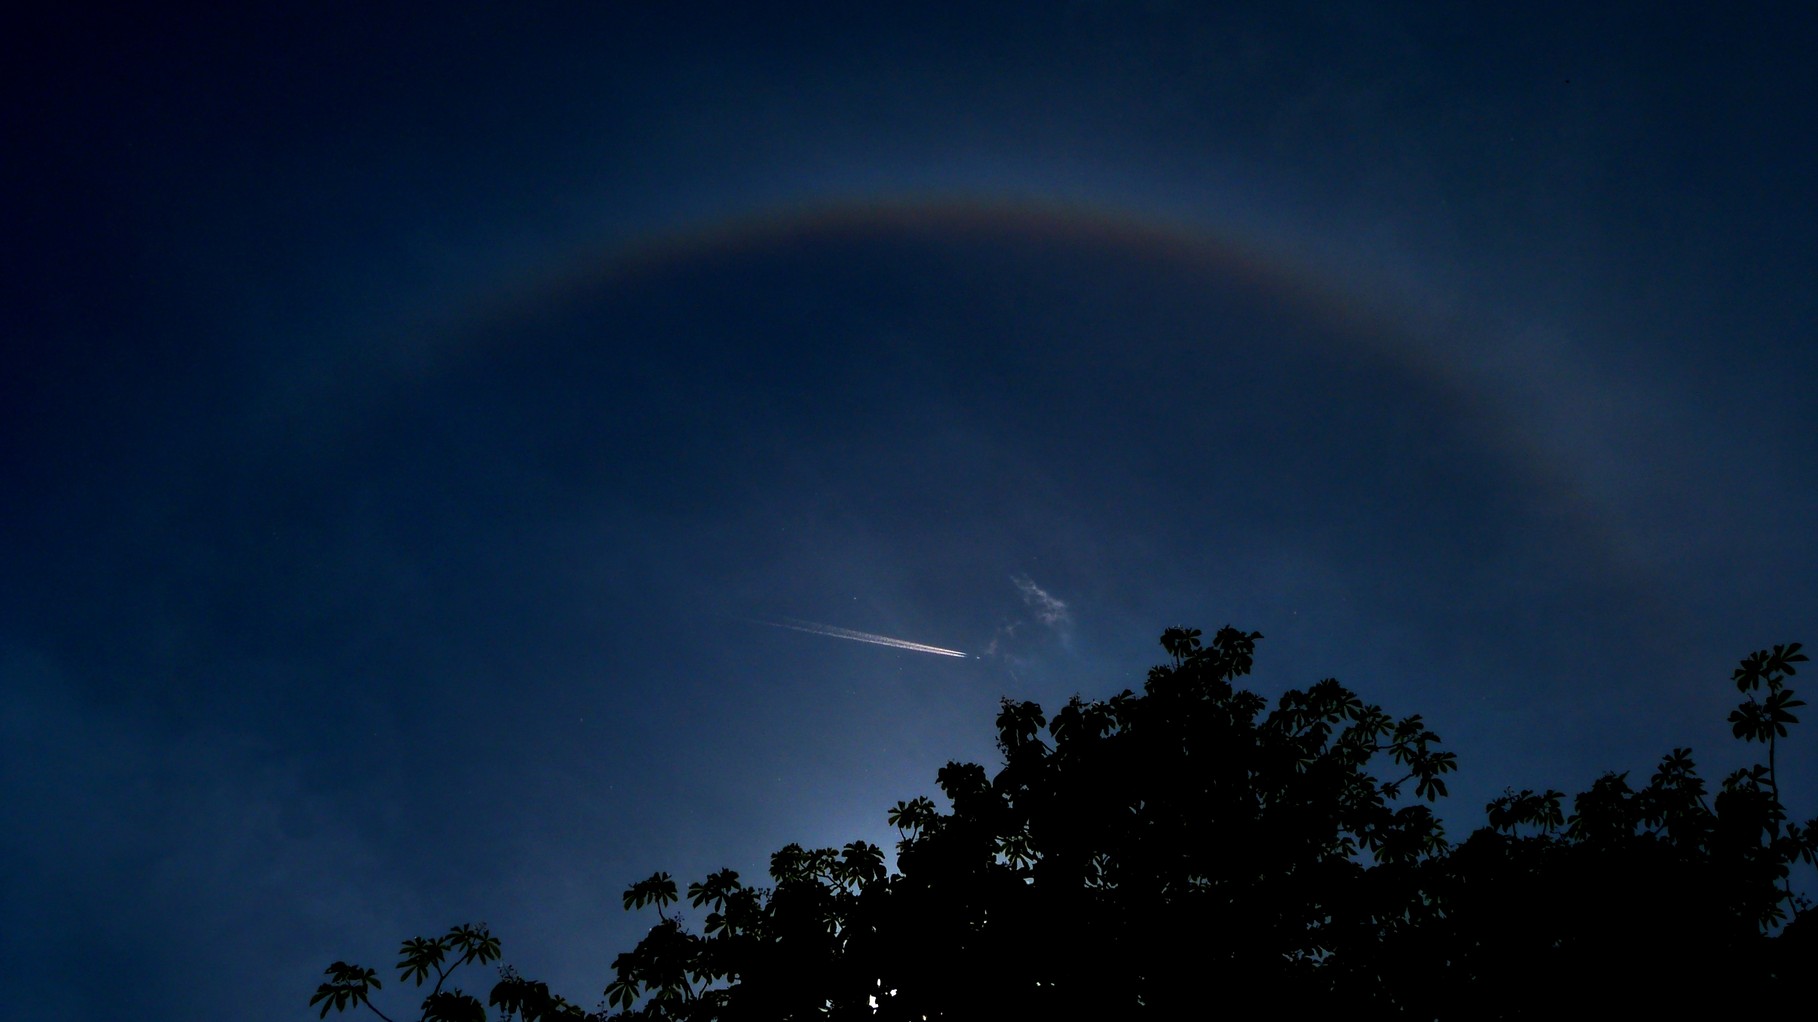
{"x":813,"y":628}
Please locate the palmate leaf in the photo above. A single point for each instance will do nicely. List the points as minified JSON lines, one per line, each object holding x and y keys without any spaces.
{"x":1748,"y":723}
{"x":347,"y":985}
{"x":914,"y":815}
{"x":418,"y":956}
{"x":1770,"y":668}
{"x":1783,"y":658}
{"x":862,"y":863}
{"x":474,"y":943}
{"x":1180,"y":642}
{"x":622,"y":993}
{"x":715,"y":890}
{"x":659,"y":888}
{"x":1777,"y":706}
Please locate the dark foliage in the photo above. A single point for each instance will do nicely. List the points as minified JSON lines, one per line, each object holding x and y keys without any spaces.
{"x":1157,"y":854}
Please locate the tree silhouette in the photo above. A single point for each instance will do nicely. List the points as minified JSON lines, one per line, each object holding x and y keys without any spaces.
{"x":1161,"y":853}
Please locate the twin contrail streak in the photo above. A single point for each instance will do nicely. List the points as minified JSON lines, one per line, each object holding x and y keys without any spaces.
{"x":846,"y":633}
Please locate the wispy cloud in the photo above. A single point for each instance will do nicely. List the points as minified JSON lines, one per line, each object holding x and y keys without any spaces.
{"x":1042,"y":604}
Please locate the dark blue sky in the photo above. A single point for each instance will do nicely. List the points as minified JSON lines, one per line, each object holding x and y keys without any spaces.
{"x":410,"y":418}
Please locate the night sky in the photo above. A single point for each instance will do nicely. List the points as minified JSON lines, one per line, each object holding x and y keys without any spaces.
{"x":417,"y":426}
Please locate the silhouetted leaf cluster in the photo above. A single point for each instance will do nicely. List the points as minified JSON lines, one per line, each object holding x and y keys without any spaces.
{"x":1155,"y":854}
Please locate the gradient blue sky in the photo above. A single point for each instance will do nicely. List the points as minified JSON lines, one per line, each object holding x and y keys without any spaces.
{"x":410,"y":414}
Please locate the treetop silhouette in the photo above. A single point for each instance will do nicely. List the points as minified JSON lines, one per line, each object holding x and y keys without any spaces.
{"x":1155,"y":853}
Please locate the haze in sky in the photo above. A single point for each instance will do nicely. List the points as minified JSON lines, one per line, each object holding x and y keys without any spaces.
{"x":416,"y":425}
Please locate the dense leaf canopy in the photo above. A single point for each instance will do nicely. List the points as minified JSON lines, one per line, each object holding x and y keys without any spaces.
{"x":1159,"y":852}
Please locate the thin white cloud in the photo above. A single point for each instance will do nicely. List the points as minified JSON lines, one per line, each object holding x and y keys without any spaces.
{"x":1047,"y":609}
